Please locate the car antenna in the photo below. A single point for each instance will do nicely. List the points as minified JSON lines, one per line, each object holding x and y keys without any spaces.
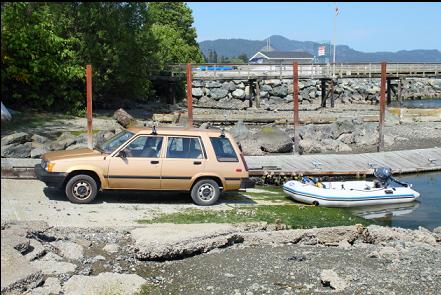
{"x":223,"y":126}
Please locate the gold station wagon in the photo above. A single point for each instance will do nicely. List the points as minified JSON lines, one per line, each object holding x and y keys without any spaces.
{"x":201,"y":161}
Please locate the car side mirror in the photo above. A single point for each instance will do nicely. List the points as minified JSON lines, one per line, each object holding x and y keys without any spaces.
{"x":122,"y":154}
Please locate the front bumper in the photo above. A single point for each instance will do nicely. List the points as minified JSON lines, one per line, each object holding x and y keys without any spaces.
{"x":51,"y":179}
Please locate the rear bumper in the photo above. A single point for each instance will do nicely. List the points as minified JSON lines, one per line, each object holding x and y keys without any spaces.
{"x":233,"y":183}
{"x":51,"y":179}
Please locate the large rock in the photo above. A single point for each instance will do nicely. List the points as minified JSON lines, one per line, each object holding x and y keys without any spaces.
{"x":266,"y":88}
{"x":197,"y":83}
{"x":16,"y":150}
{"x":104,"y":283}
{"x":239,"y":93}
{"x":124,"y":118}
{"x":39,"y":139}
{"x":39,"y":151}
{"x":53,"y":267}
{"x":240,"y":131}
{"x":162,"y":241}
{"x":375,"y":234}
{"x":17,"y":137}
{"x":206,"y":101}
{"x":309,"y":146}
{"x":197,"y":92}
{"x":69,"y":249}
{"x":213,"y":84}
{"x":16,"y":272}
{"x":280,"y":91}
{"x":51,"y":286}
{"x":330,"y":278}
{"x":62,"y":144}
{"x":218,"y":93}
{"x":273,"y":140}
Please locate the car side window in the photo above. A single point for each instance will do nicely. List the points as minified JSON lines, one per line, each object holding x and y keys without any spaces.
{"x":144,"y":147}
{"x":184,"y":148}
{"x":223,"y":149}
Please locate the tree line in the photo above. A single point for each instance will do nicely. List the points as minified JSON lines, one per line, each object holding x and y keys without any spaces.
{"x":212,"y":57}
{"x":46,"y":46}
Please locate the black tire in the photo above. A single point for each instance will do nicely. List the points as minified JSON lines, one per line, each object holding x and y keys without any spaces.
{"x":205,"y":192}
{"x":81,"y":189}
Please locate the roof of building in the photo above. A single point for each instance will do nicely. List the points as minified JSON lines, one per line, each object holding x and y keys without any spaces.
{"x":286,"y":54}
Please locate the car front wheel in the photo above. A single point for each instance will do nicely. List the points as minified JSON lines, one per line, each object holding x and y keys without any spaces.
{"x":81,"y":189}
{"x":205,"y":192}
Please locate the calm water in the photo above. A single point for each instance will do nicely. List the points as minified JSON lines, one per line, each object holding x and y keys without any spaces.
{"x":420,"y":104}
{"x":425,"y":212}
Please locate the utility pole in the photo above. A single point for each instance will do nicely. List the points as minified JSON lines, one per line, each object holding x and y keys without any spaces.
{"x":335,"y":32}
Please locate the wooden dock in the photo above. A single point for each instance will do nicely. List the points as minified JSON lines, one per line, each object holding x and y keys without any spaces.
{"x":306,"y":71}
{"x":406,"y":161}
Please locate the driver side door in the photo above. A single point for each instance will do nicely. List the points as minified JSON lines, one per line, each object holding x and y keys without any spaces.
{"x":141,"y":166}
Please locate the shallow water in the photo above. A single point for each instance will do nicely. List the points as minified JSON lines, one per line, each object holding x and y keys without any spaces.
{"x":419,"y":104}
{"x":425,"y":212}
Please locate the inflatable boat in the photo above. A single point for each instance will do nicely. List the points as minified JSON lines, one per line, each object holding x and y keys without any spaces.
{"x":383,"y":190}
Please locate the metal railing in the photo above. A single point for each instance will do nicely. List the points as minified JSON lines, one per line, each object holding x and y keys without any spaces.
{"x":281,"y":71}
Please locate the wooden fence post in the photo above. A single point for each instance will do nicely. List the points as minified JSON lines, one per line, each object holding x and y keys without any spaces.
{"x":89,"y":106}
{"x":189,"y":97}
{"x":295,"y":74}
{"x":382,"y":107}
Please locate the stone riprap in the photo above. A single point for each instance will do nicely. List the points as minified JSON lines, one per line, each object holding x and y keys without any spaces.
{"x":248,"y":256}
{"x":279,"y":92}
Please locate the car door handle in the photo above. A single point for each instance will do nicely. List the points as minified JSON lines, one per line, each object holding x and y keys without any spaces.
{"x":154,"y":162}
{"x":197,"y":162}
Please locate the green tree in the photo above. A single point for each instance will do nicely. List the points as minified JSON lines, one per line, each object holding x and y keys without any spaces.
{"x":38,"y":67}
{"x":175,"y":38}
{"x":243,"y":57}
{"x":176,"y":15}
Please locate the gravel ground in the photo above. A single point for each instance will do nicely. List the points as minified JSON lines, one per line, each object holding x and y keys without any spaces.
{"x":297,"y":269}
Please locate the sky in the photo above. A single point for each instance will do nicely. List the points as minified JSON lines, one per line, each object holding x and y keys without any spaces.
{"x":378,"y":26}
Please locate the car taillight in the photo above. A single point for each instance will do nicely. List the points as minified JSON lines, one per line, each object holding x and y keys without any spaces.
{"x":244,"y":162}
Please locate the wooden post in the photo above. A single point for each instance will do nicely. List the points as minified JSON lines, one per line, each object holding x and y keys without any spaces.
{"x":189,"y":97}
{"x":250,"y":90}
{"x":332,"y":93}
{"x":399,"y":97}
{"x":89,"y":106}
{"x":382,"y":107}
{"x":324,"y":86}
{"x":257,"y":94}
{"x":389,"y":93}
{"x":295,"y":74}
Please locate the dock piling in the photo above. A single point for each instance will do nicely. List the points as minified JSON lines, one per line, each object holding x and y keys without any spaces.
{"x":89,"y":105}
{"x":295,"y":74}
{"x":189,"y":97}
{"x":382,"y":107}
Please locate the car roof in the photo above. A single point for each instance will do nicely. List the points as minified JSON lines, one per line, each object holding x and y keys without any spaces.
{"x":174,"y":131}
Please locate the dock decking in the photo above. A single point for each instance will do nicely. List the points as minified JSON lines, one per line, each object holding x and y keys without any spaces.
{"x":406,"y":161}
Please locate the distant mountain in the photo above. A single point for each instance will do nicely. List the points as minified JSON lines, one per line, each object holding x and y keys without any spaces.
{"x":235,"y":47}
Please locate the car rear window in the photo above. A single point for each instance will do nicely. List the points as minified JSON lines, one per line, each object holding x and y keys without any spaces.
{"x":224,"y":149}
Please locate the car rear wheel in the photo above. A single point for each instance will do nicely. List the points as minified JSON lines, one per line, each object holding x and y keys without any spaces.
{"x":81,"y":189}
{"x":205,"y":192}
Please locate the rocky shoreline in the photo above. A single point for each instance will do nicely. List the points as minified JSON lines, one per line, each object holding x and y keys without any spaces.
{"x":278,"y":93}
{"x":40,"y":259}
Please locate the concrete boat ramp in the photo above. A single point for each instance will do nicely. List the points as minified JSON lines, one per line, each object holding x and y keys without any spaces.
{"x":405,"y":161}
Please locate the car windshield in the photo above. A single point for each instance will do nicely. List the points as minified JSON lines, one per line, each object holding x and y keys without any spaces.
{"x":113,"y":143}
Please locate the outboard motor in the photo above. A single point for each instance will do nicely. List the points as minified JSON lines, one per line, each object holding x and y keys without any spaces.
{"x":383,"y":175}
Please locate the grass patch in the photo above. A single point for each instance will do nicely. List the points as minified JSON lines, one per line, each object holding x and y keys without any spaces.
{"x":293,"y":216}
